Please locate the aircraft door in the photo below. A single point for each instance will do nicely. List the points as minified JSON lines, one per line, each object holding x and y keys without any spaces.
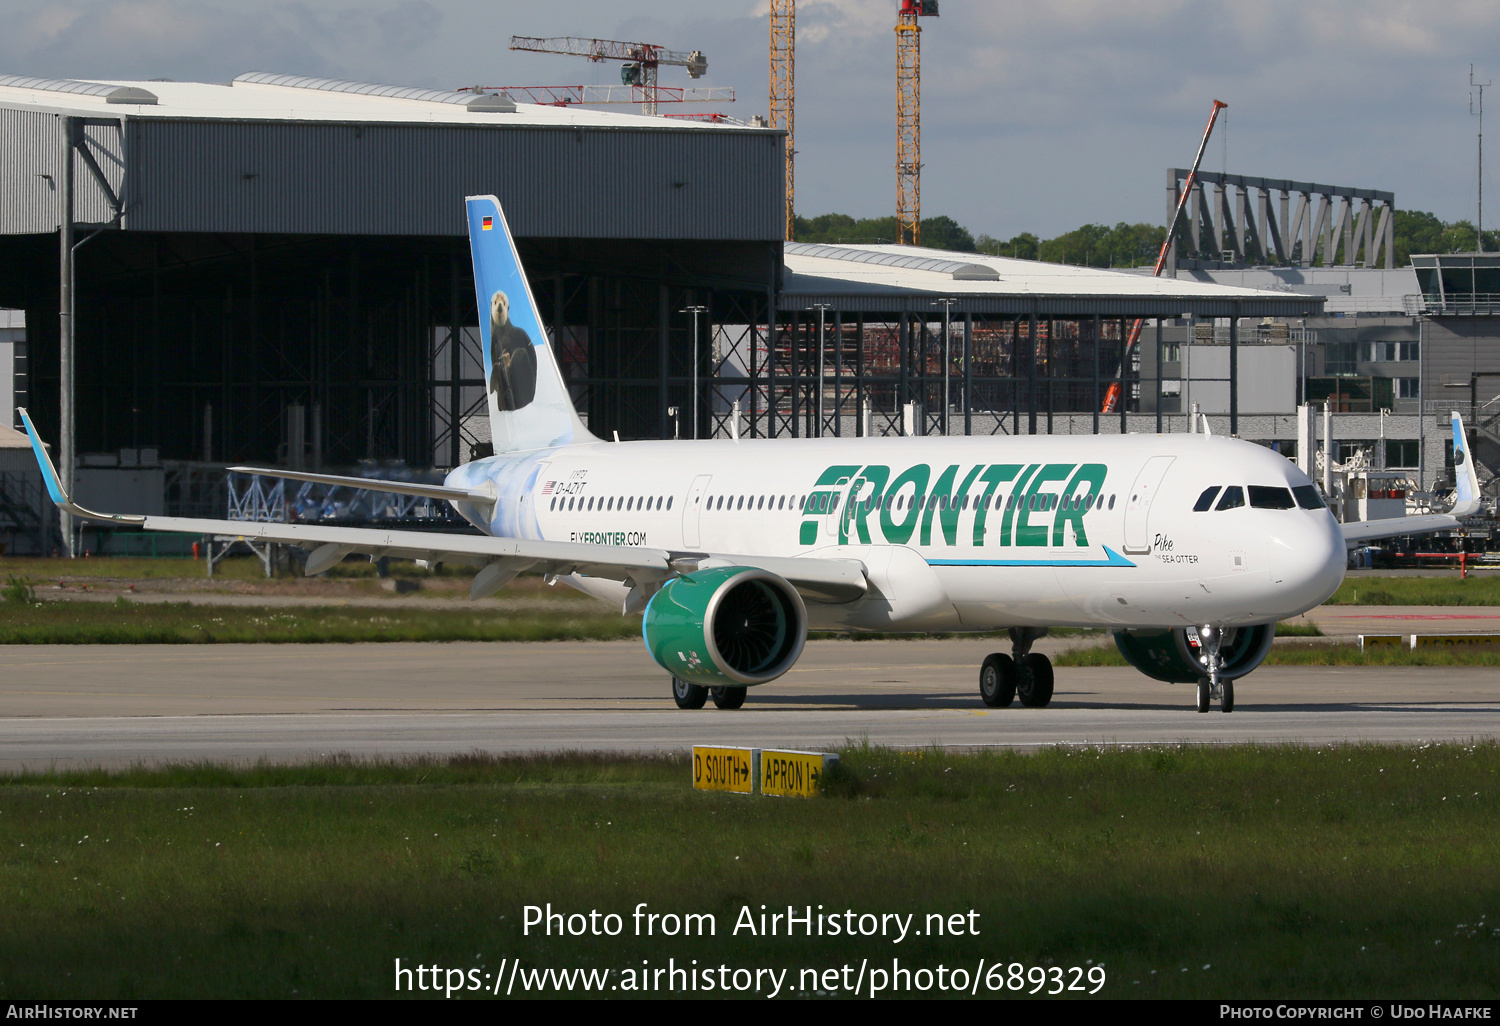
{"x":835,"y":499}
{"x":1138,"y":504}
{"x":692,"y":509}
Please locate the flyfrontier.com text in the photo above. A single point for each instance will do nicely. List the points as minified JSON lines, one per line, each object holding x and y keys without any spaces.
{"x":804,"y":921}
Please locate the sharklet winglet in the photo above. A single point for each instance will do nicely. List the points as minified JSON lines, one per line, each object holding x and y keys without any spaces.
{"x":55,"y":491}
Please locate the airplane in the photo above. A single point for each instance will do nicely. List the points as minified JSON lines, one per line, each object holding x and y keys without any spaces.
{"x":1189,"y":548}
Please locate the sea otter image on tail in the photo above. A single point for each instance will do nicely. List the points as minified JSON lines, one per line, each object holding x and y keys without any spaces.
{"x":513,"y":358}
{"x":529,"y":407}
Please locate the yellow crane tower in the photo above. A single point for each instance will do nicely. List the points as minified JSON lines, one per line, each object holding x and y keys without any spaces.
{"x":909,"y":118}
{"x":783,"y":54}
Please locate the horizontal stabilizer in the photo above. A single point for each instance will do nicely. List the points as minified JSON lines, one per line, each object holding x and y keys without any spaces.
{"x":376,"y":484}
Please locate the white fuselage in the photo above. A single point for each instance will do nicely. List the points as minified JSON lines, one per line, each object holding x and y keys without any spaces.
{"x":970,"y":533}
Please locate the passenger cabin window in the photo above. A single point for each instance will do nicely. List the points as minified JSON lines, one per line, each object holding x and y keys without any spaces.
{"x":1267,"y":497}
{"x":1308,"y":497}
{"x":1206,"y":500}
{"x":1234,"y":497}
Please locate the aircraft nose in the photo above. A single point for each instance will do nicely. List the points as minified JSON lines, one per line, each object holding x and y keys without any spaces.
{"x":1308,"y":558}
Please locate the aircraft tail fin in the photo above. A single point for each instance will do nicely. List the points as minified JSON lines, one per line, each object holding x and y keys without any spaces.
{"x":527,"y":397}
{"x":1466,"y":491}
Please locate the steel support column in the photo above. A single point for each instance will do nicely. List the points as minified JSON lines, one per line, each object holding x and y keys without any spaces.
{"x":1094,"y":399}
{"x":663,"y":351}
{"x":968,"y":399}
{"x":67,"y":443}
{"x":1234,"y":369}
{"x":1031,"y":372}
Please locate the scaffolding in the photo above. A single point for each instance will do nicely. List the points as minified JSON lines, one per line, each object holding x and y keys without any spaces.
{"x":1004,"y":373}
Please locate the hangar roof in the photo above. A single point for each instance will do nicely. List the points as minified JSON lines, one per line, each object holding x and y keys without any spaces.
{"x":873,"y":277}
{"x":290,"y":155}
{"x":264,"y":96}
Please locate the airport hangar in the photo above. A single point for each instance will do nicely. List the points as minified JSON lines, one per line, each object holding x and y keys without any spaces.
{"x":276,"y":270}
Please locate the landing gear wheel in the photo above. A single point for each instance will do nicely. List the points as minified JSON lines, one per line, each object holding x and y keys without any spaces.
{"x":688,"y":696}
{"x":1226,"y":698}
{"x":727,"y":698}
{"x":1205,"y":694}
{"x":1034,"y":683}
{"x":997,"y":681}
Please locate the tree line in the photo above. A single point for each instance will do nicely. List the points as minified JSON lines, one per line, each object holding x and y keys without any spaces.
{"x":1099,"y":245}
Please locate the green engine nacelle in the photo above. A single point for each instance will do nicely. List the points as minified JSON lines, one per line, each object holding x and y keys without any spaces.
{"x":725,"y":627}
{"x":1169,"y":655}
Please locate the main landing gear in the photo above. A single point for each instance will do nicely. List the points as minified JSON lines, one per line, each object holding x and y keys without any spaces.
{"x":1024,"y":672}
{"x":694,"y":696}
{"x":1213,"y":687}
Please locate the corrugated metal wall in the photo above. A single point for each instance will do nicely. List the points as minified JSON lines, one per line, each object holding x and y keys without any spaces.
{"x":106,"y":142}
{"x":30,"y":147}
{"x":316,"y":178}
{"x":31,"y":176}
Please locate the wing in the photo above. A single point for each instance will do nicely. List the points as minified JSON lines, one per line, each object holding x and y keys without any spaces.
{"x":1466,"y":501}
{"x":1370,"y":530}
{"x":500,"y":559}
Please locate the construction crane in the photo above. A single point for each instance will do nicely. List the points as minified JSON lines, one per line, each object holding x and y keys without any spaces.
{"x":783,"y":54}
{"x":909,"y":118}
{"x":567,"y":96}
{"x":1112,"y":395}
{"x":640,"y":59}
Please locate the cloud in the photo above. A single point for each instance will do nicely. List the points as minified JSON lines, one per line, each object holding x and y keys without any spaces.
{"x":1035,"y":116}
{"x":124,"y":39}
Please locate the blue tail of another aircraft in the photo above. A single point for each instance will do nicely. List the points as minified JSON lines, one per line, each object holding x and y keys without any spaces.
{"x":1466,"y":496}
{"x":527,"y":398}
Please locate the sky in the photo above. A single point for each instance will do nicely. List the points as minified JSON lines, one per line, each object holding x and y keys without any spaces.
{"x":1035,"y":116}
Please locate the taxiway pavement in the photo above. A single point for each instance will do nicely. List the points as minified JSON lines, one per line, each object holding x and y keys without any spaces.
{"x":114,"y":705}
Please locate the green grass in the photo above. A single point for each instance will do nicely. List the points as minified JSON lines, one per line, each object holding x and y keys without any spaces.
{"x":1479,"y":589}
{"x":1317,"y":654}
{"x":1188,"y":872}
{"x":167,"y":568}
{"x":129,"y":568}
{"x":124,"y":622}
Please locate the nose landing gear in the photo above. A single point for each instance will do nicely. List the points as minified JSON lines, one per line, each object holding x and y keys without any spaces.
{"x":1023,"y":673}
{"x":1213,"y":687}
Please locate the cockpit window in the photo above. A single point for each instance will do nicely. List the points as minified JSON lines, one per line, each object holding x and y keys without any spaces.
{"x":1234,"y":497}
{"x":1308,"y":497}
{"x":1267,"y":497}
{"x":1206,"y":500}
